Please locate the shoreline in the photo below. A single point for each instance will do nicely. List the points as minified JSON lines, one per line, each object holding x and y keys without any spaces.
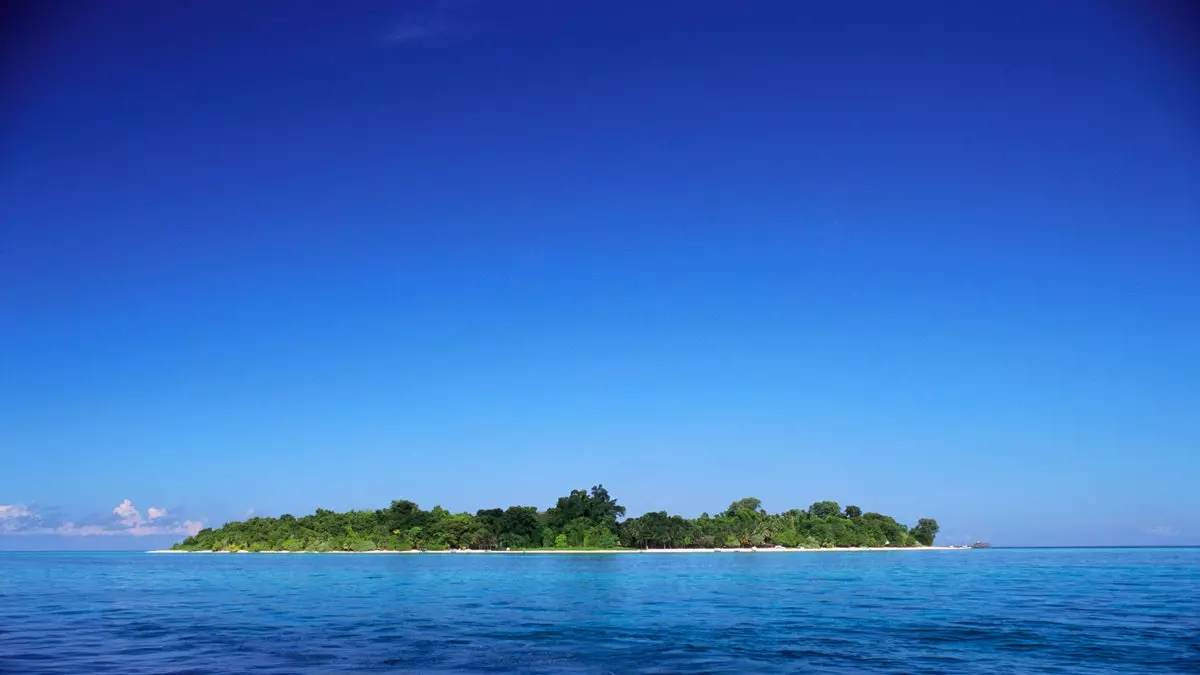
{"x":877,"y":549}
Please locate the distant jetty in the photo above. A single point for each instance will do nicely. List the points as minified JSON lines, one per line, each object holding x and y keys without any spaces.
{"x":584,"y":521}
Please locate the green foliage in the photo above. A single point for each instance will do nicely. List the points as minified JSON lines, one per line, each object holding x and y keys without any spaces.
{"x":825,"y":510}
{"x":751,"y":505}
{"x":789,"y":538}
{"x":583,"y":519}
{"x":576,"y":532}
{"x":656,"y":530}
{"x":598,"y":537}
{"x":925,"y":531}
{"x":596,"y":508}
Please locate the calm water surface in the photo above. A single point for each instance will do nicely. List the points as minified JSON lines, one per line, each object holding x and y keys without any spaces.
{"x":997,"y":611}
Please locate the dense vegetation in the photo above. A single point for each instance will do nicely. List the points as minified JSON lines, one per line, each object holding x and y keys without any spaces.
{"x":582,"y":519}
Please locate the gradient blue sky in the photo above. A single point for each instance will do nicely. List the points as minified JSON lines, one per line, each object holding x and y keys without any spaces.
{"x":935,"y":259}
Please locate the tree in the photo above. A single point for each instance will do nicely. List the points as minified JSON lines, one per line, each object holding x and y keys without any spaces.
{"x":925,"y":531}
{"x":825,"y":510}
{"x":656,"y":530}
{"x":583,"y":518}
{"x":402,"y":515}
{"x":520,"y":527}
{"x":459,"y":530}
{"x":597,"y":508}
{"x":599,"y":537}
{"x":747,"y":504}
{"x":576,"y":531}
{"x":490,"y":521}
{"x":788,"y":538}
{"x":484,"y":538}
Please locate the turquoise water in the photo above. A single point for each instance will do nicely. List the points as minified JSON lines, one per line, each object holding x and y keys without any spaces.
{"x":996,"y":611}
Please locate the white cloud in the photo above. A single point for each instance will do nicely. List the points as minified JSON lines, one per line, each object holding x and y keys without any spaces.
{"x":16,"y":518}
{"x":14,"y":511}
{"x":73,"y":530}
{"x":129,"y":516}
{"x":1162,"y":531}
{"x":125,"y":520}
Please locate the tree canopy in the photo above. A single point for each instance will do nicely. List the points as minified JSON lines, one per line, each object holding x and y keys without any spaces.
{"x":925,"y":531}
{"x":581,"y":519}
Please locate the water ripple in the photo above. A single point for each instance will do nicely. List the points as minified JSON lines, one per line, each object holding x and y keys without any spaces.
{"x":1116,"y":611}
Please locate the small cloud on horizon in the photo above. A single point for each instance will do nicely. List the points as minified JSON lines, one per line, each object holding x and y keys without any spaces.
{"x":14,"y":511}
{"x":125,"y":519}
{"x":1163,"y":531}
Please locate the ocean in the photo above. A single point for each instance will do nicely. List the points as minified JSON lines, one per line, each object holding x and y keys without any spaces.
{"x":984,"y":611}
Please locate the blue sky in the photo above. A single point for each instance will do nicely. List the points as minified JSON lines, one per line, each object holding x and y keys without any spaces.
{"x":934,"y":259}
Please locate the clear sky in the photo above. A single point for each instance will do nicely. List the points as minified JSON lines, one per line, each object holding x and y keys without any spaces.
{"x":933,"y":259}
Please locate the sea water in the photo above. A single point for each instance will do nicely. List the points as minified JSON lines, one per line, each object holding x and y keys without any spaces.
{"x":985,"y":611}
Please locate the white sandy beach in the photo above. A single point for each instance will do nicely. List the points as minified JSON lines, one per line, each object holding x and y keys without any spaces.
{"x":600,"y":551}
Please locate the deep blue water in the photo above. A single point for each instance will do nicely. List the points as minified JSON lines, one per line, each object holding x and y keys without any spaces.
{"x":996,"y":611}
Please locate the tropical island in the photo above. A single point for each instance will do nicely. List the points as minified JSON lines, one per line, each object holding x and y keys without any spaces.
{"x":582,"y":520}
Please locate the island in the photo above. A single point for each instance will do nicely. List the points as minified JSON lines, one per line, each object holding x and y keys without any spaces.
{"x":581,"y":521}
